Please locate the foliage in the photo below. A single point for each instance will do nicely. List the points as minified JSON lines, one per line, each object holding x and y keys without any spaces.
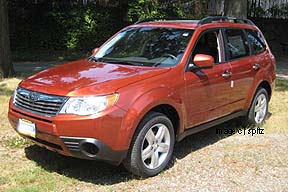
{"x":279,"y":11}
{"x":60,"y":25}
{"x":141,"y":9}
{"x":274,"y":11}
{"x":259,"y":11}
{"x":68,"y":26}
{"x":84,"y":28}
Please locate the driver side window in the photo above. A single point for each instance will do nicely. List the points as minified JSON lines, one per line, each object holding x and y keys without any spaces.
{"x":208,"y":44}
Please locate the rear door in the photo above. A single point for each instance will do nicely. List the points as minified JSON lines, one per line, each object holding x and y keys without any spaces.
{"x":238,"y":55}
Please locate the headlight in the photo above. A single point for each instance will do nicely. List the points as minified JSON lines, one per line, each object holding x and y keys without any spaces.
{"x":14,"y":95}
{"x":88,"y":105}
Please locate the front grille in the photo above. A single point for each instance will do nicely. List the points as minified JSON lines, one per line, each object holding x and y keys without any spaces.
{"x":38,"y":103}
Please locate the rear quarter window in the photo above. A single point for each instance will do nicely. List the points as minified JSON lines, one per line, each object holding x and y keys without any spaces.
{"x":256,"y":41}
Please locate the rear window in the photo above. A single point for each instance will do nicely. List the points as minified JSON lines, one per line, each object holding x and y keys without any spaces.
{"x":256,"y":41}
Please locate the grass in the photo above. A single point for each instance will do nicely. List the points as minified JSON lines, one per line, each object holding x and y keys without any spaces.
{"x":278,"y":122}
{"x":15,"y":142}
{"x":204,"y":161}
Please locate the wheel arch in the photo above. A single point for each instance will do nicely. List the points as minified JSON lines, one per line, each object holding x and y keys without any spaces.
{"x":264,"y":84}
{"x":170,"y":112}
{"x":165,"y":108}
{"x":166,"y":103}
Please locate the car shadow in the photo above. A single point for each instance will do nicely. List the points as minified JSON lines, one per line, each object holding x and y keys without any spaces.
{"x":204,"y":138}
{"x":95,"y":172}
{"x":104,"y":174}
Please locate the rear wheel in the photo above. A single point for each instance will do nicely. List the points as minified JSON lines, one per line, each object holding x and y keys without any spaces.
{"x":258,"y":109}
{"x":152,"y":145}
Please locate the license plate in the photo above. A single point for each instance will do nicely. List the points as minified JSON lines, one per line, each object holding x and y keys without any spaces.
{"x":26,"y":127}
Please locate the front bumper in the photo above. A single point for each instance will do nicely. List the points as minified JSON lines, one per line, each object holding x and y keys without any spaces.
{"x":94,"y":138}
{"x":90,"y":148}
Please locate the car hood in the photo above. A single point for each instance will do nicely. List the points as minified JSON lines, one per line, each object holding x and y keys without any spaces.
{"x":87,"y":78}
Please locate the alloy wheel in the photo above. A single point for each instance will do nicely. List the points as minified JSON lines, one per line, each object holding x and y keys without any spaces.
{"x":155,"y":146}
{"x":260,"y":108}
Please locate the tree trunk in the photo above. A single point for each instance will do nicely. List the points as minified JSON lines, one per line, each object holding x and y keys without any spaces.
{"x":6,"y":67}
{"x":236,"y":8}
{"x":200,"y":9}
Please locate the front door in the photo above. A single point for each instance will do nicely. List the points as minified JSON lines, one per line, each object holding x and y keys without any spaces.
{"x":208,"y":90}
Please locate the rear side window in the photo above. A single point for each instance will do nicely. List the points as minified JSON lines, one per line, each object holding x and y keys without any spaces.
{"x":236,"y":44}
{"x":256,"y":41}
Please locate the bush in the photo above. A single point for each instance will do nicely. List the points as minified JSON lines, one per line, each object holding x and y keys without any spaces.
{"x":73,"y":27}
{"x":141,"y":9}
{"x":59,"y":25}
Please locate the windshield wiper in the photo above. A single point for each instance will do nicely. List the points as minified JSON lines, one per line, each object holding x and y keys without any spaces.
{"x":156,"y":64}
{"x":115,"y":61}
{"x":125,"y":63}
{"x":95,"y":59}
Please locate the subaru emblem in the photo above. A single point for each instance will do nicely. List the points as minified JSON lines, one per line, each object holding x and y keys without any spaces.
{"x":33,"y":96}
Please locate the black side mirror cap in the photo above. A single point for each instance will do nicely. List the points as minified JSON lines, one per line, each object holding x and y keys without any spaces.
{"x":192,"y":67}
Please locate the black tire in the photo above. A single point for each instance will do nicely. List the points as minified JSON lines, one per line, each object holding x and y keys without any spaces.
{"x":250,"y":119}
{"x":133,"y":162}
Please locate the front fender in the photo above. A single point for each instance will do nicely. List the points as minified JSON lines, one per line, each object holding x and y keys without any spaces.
{"x":141,"y":104}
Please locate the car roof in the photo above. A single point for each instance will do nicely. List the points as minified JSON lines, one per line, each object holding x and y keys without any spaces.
{"x":171,"y":23}
{"x":213,"y":21}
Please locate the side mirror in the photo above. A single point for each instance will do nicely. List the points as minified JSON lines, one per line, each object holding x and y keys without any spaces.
{"x":94,"y":51}
{"x":203,"y":61}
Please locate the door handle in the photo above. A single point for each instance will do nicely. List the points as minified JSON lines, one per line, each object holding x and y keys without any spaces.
{"x":256,"y":66}
{"x":227,"y":74}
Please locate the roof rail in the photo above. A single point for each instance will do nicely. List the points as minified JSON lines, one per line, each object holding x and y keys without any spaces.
{"x":211,"y":19}
{"x":206,"y":20}
{"x":162,"y":19}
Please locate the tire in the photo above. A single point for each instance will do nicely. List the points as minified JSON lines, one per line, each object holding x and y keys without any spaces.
{"x":148,"y":155}
{"x":258,"y":110}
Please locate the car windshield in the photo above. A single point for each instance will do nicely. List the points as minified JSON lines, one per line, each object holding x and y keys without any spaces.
{"x":146,"y":46}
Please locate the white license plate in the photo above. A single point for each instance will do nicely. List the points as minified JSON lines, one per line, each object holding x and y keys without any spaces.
{"x":26,"y":127}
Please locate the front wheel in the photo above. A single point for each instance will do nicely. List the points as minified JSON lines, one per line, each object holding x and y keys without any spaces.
{"x":152,"y":145}
{"x":258,"y":109}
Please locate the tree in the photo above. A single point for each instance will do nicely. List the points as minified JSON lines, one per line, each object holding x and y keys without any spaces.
{"x":6,"y":68}
{"x":236,"y":8}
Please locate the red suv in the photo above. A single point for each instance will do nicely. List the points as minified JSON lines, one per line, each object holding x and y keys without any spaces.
{"x":151,"y":84}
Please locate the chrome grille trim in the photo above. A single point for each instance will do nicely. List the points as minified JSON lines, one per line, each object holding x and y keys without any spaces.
{"x":38,"y":103}
{"x":72,"y":144}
